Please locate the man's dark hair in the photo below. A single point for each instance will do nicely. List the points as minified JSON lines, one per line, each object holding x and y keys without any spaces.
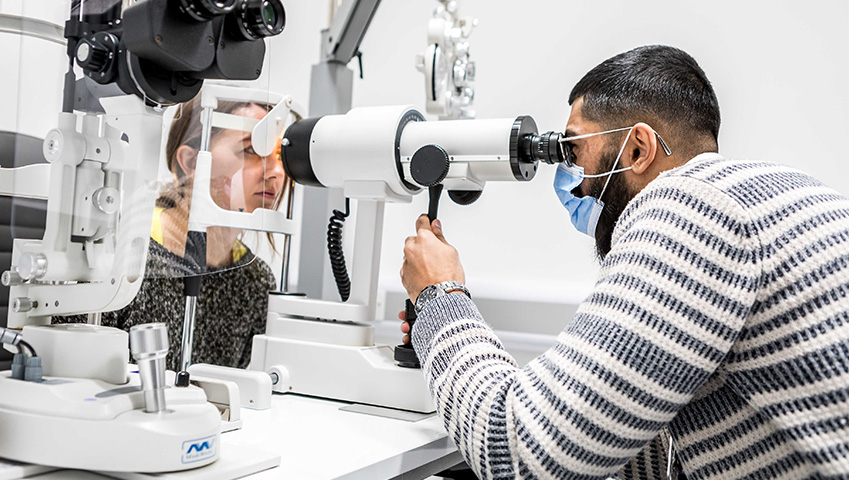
{"x":651,"y":84}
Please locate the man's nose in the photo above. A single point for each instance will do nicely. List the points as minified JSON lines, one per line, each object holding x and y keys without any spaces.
{"x":576,"y":161}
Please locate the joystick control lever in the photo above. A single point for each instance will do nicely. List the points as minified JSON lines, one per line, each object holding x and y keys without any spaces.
{"x":404,"y":354}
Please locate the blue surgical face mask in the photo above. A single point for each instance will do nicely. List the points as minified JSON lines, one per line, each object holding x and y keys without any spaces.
{"x":585,"y":211}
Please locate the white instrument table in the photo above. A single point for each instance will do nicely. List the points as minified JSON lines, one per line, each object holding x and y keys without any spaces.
{"x":317,"y":440}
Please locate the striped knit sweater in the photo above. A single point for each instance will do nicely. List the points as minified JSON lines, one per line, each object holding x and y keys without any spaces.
{"x":720,"y":314}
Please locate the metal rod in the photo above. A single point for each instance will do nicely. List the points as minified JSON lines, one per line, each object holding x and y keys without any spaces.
{"x":284,"y":272}
{"x":287,"y":241}
{"x":188,"y":330}
{"x":95,"y":318}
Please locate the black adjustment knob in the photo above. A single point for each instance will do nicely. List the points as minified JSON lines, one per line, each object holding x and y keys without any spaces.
{"x":91,"y":56}
{"x":429,"y":165}
{"x":96,"y":56}
{"x":465,"y":197}
{"x":182,"y":380}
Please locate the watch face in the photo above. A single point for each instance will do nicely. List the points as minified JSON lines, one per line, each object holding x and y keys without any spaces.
{"x":433,"y":293}
{"x":429,"y":293}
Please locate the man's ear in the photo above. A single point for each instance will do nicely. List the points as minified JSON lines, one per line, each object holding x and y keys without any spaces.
{"x":187,"y":158}
{"x":642,"y":148}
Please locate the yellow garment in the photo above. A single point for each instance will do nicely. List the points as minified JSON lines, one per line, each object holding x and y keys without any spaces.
{"x":239,"y":250}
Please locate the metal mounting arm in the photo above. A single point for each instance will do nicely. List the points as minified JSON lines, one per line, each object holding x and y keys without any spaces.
{"x":348,"y":28}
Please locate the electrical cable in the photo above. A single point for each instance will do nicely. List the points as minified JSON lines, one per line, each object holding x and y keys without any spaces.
{"x":28,"y":347}
{"x":343,"y":282}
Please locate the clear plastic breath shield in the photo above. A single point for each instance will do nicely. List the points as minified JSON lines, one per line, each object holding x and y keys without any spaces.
{"x":136,"y":171}
{"x":223,"y":181}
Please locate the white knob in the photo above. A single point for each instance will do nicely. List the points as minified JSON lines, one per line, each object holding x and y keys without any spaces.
{"x":11,"y":278}
{"x":22,"y":305}
{"x":106,"y":200}
{"x":53,"y":144}
{"x":32,"y":266}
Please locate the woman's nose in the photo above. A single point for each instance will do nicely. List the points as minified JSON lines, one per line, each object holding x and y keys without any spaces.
{"x":274,"y":167}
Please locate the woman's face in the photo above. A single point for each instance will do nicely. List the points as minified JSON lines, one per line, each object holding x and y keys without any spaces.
{"x":241,"y":179}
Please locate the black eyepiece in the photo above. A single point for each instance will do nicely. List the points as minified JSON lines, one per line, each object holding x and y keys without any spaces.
{"x":203,"y":10}
{"x":255,"y":19}
{"x":544,"y":148}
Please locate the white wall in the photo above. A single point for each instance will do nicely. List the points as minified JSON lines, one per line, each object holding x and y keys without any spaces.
{"x":777,"y":67}
{"x":780,"y":70}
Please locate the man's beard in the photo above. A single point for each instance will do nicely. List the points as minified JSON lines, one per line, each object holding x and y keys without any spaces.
{"x":617,"y":197}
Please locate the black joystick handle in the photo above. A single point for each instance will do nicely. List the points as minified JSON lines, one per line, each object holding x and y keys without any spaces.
{"x":434,"y":201}
{"x":404,"y":354}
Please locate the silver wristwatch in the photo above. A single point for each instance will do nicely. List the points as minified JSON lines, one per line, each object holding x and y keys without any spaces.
{"x":438,"y":290}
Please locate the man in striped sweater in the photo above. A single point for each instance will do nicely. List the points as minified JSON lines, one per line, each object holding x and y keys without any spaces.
{"x":719,"y":320}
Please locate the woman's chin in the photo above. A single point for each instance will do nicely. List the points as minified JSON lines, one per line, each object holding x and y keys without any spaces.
{"x":262,"y":202}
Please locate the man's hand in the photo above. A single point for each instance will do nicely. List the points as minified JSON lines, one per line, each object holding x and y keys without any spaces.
{"x":428,"y":259}
{"x":405,"y":328}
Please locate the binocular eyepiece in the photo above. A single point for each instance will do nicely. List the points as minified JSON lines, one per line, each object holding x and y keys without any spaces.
{"x":245,"y":19}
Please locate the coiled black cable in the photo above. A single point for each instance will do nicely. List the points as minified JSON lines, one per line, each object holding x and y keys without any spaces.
{"x":343,"y":282}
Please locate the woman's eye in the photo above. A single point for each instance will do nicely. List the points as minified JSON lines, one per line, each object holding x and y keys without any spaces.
{"x":250,"y":151}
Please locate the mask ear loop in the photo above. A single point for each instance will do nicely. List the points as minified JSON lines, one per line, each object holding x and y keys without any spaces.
{"x":612,"y":172}
{"x":569,"y":161}
{"x":568,"y":154}
{"x":619,"y":170}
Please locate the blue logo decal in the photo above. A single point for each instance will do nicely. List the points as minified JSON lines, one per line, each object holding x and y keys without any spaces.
{"x":199,"y":449}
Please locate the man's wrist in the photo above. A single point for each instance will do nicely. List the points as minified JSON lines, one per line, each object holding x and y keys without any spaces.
{"x":438,"y":290}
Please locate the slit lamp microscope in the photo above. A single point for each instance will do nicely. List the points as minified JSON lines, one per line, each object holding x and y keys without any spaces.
{"x":378,"y":155}
{"x":70,"y":400}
